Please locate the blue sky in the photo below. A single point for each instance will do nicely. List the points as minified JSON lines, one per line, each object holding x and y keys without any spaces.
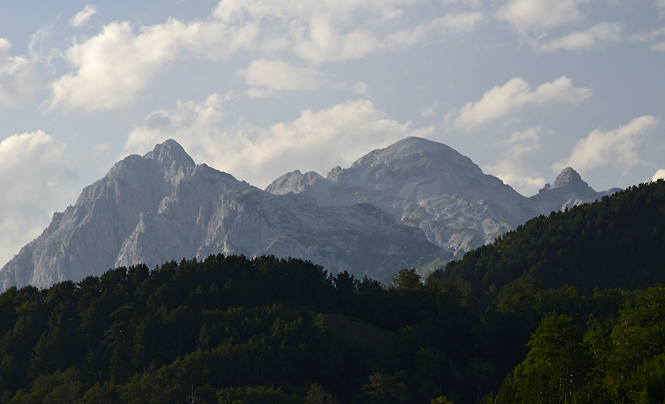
{"x":258,"y":88}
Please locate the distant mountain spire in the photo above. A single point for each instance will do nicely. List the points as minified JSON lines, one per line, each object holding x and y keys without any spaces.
{"x":568,"y":177}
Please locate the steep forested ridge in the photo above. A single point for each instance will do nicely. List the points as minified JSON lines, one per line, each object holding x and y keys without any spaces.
{"x":564,"y":309}
{"x":618,"y":242}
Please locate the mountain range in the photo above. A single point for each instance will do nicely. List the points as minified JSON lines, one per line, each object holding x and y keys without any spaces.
{"x":414,"y":204}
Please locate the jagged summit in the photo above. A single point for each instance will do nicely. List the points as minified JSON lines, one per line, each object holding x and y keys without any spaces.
{"x":568,"y":190}
{"x":415,"y":203}
{"x":170,"y":153}
{"x":567,"y":178}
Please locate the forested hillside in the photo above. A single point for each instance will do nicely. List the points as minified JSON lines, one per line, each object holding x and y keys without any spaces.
{"x":521,"y":321}
{"x":618,"y":242}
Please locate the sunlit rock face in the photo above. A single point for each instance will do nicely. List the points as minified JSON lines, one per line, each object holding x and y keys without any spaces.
{"x":414,"y":204}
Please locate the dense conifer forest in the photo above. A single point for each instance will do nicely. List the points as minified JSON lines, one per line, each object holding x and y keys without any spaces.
{"x":565,"y":309}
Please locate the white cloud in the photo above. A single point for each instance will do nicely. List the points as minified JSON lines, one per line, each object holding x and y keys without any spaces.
{"x":317,"y":31}
{"x":660,"y":174}
{"x":191,"y":123}
{"x":513,"y":96}
{"x":32,"y":169}
{"x":472,"y":3}
{"x":360,"y":88}
{"x":654,"y":35}
{"x":509,"y":166}
{"x":83,"y":16}
{"x":538,"y":16}
{"x":594,"y":37}
{"x":240,"y":10}
{"x":266,"y":76}
{"x":651,"y":36}
{"x":429,"y":110}
{"x":112,"y":67}
{"x":317,"y":140}
{"x":615,"y":147}
{"x":18,"y":78}
{"x":658,"y":47}
{"x":322,"y":31}
{"x":435,"y":30}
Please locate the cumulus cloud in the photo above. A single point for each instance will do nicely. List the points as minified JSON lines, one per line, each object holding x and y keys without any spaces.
{"x":325,"y":44}
{"x":660,"y":174}
{"x":509,"y":166}
{"x":610,"y":148}
{"x":113,"y":66}
{"x":194,"y":124}
{"x":538,"y":16}
{"x":32,"y":169}
{"x":83,"y":16}
{"x":515,"y":95}
{"x":18,"y":78}
{"x":266,"y":76}
{"x":316,"y":140}
{"x":594,"y":37}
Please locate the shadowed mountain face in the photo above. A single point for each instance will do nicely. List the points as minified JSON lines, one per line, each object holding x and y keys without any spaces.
{"x":412,"y":204}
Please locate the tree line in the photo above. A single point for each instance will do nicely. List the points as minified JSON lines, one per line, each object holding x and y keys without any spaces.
{"x":564,"y":309}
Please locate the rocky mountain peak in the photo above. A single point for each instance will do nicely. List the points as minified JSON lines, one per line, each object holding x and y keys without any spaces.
{"x":568,"y":177}
{"x":170,"y":153}
{"x":294,"y":181}
{"x":411,"y":204}
{"x":412,"y":153}
{"x":569,"y":190}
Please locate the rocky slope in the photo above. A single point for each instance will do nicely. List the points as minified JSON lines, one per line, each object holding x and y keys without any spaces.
{"x":413,"y":204}
{"x":568,"y":190}
{"x":426,"y":185}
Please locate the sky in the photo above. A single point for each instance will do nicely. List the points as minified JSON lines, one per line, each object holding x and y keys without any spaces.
{"x":259,"y":88}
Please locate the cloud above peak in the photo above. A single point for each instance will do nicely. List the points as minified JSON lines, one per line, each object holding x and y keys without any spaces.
{"x":509,"y":165}
{"x":514,"y":95}
{"x":615,"y":147}
{"x":314,"y":141}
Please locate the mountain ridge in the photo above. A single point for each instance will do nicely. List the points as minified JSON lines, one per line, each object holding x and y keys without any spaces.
{"x":412,"y":203}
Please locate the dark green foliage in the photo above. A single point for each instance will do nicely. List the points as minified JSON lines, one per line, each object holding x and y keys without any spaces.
{"x":229,"y":329}
{"x":530,"y":319}
{"x":618,"y":242}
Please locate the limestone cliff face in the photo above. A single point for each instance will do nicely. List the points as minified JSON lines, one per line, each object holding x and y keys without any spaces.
{"x":426,"y":185}
{"x":163,"y":207}
{"x":404,"y":206}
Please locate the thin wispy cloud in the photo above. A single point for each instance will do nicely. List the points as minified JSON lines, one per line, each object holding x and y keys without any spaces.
{"x":83,"y":16}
